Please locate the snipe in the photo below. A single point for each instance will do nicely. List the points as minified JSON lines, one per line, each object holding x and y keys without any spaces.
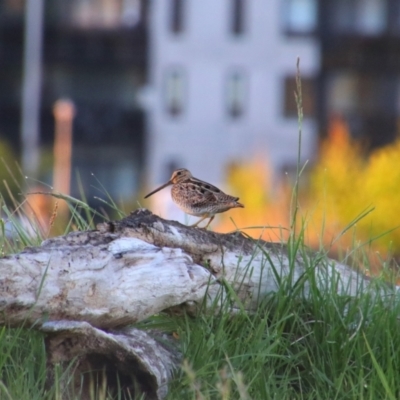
{"x":196,"y":197}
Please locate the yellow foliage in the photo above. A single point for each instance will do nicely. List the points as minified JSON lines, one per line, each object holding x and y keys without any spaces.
{"x":251,"y":182}
{"x":381,"y":187}
{"x":343,"y":184}
{"x":336,"y":181}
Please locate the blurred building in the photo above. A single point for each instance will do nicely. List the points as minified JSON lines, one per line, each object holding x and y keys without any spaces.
{"x":94,"y":53}
{"x":360,"y":67}
{"x":200,"y":84}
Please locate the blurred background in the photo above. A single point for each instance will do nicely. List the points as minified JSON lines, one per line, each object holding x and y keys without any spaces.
{"x":114,"y":94}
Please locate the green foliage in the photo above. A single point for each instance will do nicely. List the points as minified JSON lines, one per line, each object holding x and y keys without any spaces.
{"x":22,"y":364}
{"x":322,"y":346}
{"x":8,"y":167}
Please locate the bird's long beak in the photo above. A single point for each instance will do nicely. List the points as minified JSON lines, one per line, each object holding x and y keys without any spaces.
{"x":159,"y":188}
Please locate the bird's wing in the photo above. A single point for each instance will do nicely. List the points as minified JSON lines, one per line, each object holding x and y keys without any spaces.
{"x":197,"y":193}
{"x":206,"y":186}
{"x":214,"y":192}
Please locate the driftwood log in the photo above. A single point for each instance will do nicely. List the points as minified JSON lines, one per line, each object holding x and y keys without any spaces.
{"x":86,"y":289}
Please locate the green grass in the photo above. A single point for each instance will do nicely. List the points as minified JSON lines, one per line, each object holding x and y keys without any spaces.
{"x":324,"y":346}
{"x":22,"y":366}
{"x":316,"y":346}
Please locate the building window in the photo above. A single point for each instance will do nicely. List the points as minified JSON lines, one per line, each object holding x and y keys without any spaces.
{"x":238,"y":16}
{"x":94,"y":14}
{"x":175,"y":91}
{"x":367,"y":17}
{"x":366,"y":102}
{"x":300,"y":16}
{"x":394,"y":16}
{"x":364,"y":94}
{"x":236,"y":93}
{"x":12,"y":7}
{"x":176,"y":16}
{"x":371,"y":16}
{"x":308,"y":97}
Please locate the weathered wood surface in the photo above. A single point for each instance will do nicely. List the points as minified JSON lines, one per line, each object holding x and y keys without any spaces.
{"x":89,"y":286}
{"x":134,"y":268}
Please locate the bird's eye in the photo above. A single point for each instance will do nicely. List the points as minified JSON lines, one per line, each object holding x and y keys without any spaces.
{"x":179,"y":173}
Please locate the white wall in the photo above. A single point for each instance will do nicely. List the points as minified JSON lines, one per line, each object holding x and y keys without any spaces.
{"x":204,"y":139}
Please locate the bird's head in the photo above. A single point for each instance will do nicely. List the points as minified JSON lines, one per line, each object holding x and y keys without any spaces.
{"x":180,"y":175}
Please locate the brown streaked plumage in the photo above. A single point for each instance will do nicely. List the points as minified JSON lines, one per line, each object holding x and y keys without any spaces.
{"x":196,"y":197}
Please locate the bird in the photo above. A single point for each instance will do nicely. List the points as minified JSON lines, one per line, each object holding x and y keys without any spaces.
{"x":196,"y":197}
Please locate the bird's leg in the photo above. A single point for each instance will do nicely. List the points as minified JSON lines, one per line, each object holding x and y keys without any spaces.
{"x":209,"y":222}
{"x":201,"y":219}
